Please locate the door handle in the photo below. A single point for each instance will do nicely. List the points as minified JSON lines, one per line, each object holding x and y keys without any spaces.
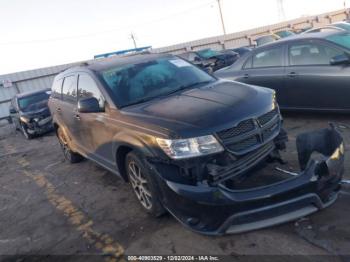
{"x":77,"y":116}
{"x":246,"y":76}
{"x":58,"y":109}
{"x":292,"y":74}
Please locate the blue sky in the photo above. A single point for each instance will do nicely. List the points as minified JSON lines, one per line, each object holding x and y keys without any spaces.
{"x":38,"y":33}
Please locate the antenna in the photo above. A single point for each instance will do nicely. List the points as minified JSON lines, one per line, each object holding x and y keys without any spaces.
{"x":281,"y":13}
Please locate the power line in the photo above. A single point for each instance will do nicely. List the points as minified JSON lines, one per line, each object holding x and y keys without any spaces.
{"x":92,"y":34}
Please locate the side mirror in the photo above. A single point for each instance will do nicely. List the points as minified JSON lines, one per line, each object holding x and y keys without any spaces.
{"x":343,"y":59}
{"x":89,"y":105}
{"x":12,"y":110}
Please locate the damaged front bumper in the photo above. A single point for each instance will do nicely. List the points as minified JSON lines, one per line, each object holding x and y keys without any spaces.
{"x":40,"y":126}
{"x":217,"y":208}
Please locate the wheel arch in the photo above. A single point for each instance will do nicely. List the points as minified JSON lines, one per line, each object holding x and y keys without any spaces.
{"x":124,"y":144}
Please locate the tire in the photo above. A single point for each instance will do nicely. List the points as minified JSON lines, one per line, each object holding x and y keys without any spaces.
{"x":25,"y":132}
{"x":69,"y":155}
{"x":143,"y":184}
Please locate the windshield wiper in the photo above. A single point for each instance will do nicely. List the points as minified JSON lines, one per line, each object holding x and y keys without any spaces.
{"x":146,"y":99}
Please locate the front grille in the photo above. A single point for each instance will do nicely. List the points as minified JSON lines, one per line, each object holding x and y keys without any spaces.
{"x":246,"y":143}
{"x":267,"y":133}
{"x":251,"y":133}
{"x":265,"y":118}
{"x":243,"y":127}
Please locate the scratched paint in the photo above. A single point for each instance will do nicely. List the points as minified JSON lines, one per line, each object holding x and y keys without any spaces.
{"x":101,"y":241}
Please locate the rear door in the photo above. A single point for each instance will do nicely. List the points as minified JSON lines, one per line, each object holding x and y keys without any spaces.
{"x":311,"y":81}
{"x":265,"y":67}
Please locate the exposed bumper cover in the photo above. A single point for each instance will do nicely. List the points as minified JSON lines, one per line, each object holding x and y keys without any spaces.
{"x":217,"y":209}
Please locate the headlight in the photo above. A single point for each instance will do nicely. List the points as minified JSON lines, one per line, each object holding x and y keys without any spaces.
{"x":192,"y":147}
{"x":24,"y":119}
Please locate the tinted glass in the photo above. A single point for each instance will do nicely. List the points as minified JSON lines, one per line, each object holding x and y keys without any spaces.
{"x":69,"y":89}
{"x":57,"y":88}
{"x":207,"y":53}
{"x":248,"y":63}
{"x":33,"y":102}
{"x":265,"y":39}
{"x":268,"y":58}
{"x":343,"y":40}
{"x":136,"y":83}
{"x":311,"y":54}
{"x":87,"y":88}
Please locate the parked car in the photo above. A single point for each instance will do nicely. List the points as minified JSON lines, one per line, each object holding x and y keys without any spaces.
{"x":206,"y":64}
{"x":242,"y":50}
{"x":309,"y":71}
{"x":263,"y":40}
{"x":186,"y":140}
{"x":216,"y":59}
{"x":327,"y":28}
{"x":30,"y":113}
{"x":284,"y":33}
{"x":343,"y":25}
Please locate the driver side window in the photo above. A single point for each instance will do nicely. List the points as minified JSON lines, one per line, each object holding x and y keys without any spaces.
{"x":87,"y":88}
{"x":311,"y":54}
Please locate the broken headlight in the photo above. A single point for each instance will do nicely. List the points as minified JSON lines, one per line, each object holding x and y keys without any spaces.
{"x":191,"y":147}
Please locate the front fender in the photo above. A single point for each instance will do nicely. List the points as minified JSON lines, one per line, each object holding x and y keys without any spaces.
{"x":140,"y":143}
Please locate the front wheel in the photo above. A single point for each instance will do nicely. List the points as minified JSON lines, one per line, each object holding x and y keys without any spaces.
{"x":143,"y":185}
{"x":69,"y":155}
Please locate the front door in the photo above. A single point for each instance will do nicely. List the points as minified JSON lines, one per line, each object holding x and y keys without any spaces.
{"x":68,"y":110}
{"x":266,"y":68}
{"x":95,"y":130}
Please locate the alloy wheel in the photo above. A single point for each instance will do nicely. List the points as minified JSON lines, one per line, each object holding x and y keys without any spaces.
{"x":140,"y":185}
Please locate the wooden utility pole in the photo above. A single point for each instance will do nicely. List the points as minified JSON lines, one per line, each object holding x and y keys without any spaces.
{"x":133,"y":39}
{"x":222,"y":18}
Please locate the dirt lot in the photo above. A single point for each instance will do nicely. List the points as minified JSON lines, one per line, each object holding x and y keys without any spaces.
{"x":49,"y":207}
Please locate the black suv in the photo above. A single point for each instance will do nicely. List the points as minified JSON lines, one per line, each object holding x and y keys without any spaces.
{"x":30,"y":113}
{"x":188,"y":143}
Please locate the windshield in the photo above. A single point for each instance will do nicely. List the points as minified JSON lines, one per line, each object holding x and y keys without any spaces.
{"x":136,"y":83}
{"x":343,"y":40}
{"x":207,"y":53}
{"x":33,"y":102}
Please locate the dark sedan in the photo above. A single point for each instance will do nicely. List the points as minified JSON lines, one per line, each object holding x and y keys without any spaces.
{"x":310,"y":71}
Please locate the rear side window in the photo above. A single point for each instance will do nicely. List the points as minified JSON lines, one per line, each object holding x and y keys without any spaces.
{"x":311,"y":54}
{"x":87,"y":88}
{"x":69,"y":89}
{"x":268,"y":58}
{"x":57,"y":88}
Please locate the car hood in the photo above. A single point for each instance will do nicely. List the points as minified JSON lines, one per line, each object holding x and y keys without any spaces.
{"x":204,"y":110}
{"x":37,"y":110}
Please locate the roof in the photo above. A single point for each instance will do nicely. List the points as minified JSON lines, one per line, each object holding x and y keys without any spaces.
{"x":316,"y":35}
{"x":104,"y":64}
{"x":24,"y":94}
